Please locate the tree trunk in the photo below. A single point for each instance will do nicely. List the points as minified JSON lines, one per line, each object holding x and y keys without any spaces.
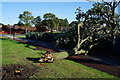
{"x":26,"y":30}
{"x":78,"y":34}
{"x":113,"y":26}
{"x":74,"y":51}
{"x":51,"y":30}
{"x":65,"y":54}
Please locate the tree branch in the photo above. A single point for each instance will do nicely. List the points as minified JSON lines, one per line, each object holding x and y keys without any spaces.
{"x":117,"y":4}
{"x":84,"y":40}
{"x":108,"y":4}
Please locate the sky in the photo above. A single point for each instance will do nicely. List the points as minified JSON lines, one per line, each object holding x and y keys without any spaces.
{"x":12,"y":10}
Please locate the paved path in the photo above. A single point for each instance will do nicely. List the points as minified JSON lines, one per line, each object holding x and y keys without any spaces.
{"x":103,"y":64}
{"x":106,"y":59}
{"x":104,"y":67}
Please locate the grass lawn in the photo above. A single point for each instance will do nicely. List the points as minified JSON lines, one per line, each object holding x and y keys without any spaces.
{"x":20,"y":36}
{"x":14,"y":52}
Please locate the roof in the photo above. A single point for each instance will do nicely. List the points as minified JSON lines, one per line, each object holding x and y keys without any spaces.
{"x":21,"y":27}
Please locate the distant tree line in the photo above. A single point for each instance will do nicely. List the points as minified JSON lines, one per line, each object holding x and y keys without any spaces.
{"x":50,"y":20}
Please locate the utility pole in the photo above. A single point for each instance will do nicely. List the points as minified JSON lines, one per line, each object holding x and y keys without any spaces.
{"x":10,"y":25}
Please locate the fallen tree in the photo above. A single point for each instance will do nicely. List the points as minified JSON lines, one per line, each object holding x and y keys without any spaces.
{"x":91,"y":29}
{"x":77,"y":49}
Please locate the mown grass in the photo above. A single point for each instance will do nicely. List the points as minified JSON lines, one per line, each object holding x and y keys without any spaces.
{"x":20,"y":36}
{"x":69,"y":69}
{"x":14,"y":52}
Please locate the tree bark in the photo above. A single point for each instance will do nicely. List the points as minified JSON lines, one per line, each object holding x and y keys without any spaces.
{"x":26,"y":30}
{"x":78,"y":34}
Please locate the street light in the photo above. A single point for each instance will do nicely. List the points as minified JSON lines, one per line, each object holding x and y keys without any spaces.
{"x":10,"y":25}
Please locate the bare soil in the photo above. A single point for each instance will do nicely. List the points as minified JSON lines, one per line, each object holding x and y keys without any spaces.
{"x":24,"y":71}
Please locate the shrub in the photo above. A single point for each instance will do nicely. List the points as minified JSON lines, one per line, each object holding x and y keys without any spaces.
{"x":28,"y":34}
{"x":40,"y":36}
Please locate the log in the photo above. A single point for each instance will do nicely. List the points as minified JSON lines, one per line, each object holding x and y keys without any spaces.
{"x":50,"y":57}
{"x":65,"y":54}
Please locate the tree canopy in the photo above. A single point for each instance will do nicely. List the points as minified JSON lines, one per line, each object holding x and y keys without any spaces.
{"x":49,"y":16}
{"x":26,"y":18}
{"x":93,"y":26}
{"x":49,"y":20}
{"x":52,"y":21}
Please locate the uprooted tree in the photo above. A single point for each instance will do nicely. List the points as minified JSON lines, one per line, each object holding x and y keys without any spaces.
{"x":96,"y":24}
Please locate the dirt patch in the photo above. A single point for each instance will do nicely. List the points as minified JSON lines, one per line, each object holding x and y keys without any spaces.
{"x":18,"y":71}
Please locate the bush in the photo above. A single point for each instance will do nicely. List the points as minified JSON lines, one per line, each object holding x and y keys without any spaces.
{"x":63,"y":40}
{"x":40,"y":36}
{"x":28,"y":35}
{"x":49,"y":37}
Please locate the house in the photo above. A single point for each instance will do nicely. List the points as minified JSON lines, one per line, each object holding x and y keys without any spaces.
{"x":8,"y":29}
{"x":0,"y":27}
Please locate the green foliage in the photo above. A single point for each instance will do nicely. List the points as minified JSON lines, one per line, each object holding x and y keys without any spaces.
{"x":99,"y":20}
{"x":93,"y":28}
{"x":49,"y":20}
{"x":49,"y":16}
{"x":72,"y":24}
{"x":1,"y":24}
{"x":63,"y":22}
{"x":26,"y":18}
{"x":67,"y":39}
{"x":52,"y":21}
{"x":38,"y":23}
{"x":20,"y":23}
{"x":28,"y":35}
{"x":33,"y":35}
{"x":95,"y":24}
{"x":98,"y":23}
{"x":47,"y":37}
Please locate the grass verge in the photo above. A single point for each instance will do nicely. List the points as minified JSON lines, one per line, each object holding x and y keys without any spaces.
{"x":14,"y":52}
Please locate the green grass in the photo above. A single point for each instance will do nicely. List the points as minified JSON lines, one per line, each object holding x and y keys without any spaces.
{"x":14,"y":52}
{"x":55,"y":32}
{"x":20,"y":36}
{"x":69,"y":69}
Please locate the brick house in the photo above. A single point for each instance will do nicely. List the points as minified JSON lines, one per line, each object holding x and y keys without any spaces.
{"x":7,"y":29}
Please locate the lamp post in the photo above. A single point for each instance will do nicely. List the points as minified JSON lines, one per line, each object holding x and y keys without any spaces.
{"x":10,"y":25}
